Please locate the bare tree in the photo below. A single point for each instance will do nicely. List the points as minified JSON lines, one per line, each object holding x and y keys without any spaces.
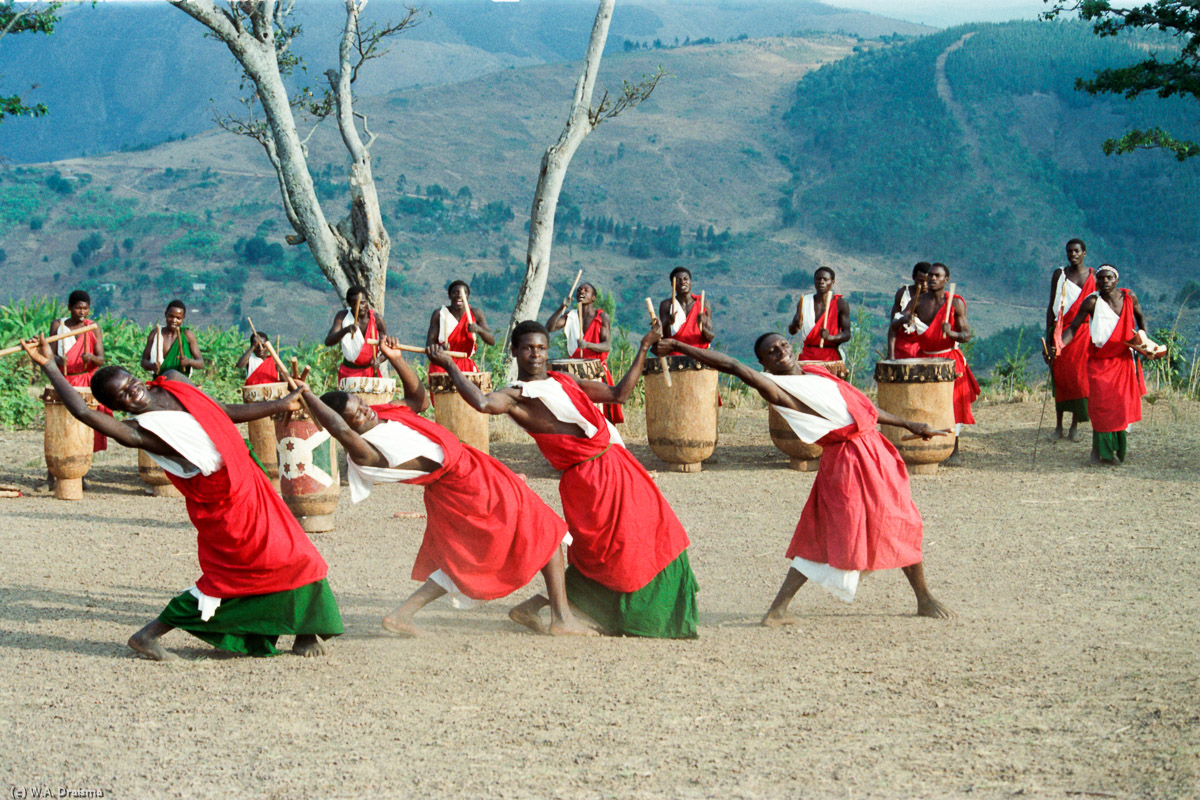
{"x":259,"y":34}
{"x":582,"y":119}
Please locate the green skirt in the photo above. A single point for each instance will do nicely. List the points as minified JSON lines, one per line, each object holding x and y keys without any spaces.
{"x":664,"y":608}
{"x":1077,"y":407}
{"x":1111,"y":446}
{"x":251,"y":625}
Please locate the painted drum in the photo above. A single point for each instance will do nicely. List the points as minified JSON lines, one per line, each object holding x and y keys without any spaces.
{"x":804,"y":457}
{"x":308,"y":470}
{"x":922,"y":390}
{"x":586,"y":369}
{"x":262,"y":431}
{"x":453,"y":413}
{"x":68,"y":444}
{"x":681,"y":419}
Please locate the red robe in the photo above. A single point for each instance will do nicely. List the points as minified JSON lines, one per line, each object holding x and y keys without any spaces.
{"x":813,"y":349}
{"x":860,"y":513}
{"x":248,"y":542}
{"x":624,"y":532}
{"x":463,"y":341}
{"x":485,"y":527}
{"x":1115,"y":376}
{"x":612,"y":411}
{"x":1070,"y":364}
{"x":935,"y":345}
{"x":364,"y":363}
{"x":689,"y":332}
{"x":265,"y":372}
{"x":78,"y":373}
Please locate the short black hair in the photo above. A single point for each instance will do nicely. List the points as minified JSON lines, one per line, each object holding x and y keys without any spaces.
{"x":464,"y":284}
{"x":101,"y":381}
{"x":1078,"y":242}
{"x":921,"y":268}
{"x":177,"y":303}
{"x":939,"y":264}
{"x":79,"y":296}
{"x":680,"y":270}
{"x":525,"y":328}
{"x":259,"y":335}
{"x":759,"y":341}
{"x":337,"y":400}
{"x":832,"y":274}
{"x":591,"y":286}
{"x":352,"y":292}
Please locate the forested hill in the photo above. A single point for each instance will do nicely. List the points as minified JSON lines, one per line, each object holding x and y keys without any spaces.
{"x":993,"y":170}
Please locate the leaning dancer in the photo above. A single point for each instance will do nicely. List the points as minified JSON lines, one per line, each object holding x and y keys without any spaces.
{"x":629,"y":565}
{"x":487,"y":534}
{"x":1069,"y":286}
{"x":261,"y":576}
{"x":860,"y":514}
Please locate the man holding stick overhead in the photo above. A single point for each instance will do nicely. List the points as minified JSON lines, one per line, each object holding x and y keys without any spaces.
{"x":357,"y":329}
{"x":260,"y":575}
{"x":822,"y":319}
{"x":589,"y":335}
{"x":172,"y":346}
{"x":1069,"y":287}
{"x":487,"y":534}
{"x":455,"y":327}
{"x":629,"y":565}
{"x":686,"y":317}
{"x":860,"y":514}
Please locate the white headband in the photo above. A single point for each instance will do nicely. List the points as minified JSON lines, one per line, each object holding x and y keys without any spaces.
{"x":1109,"y":268}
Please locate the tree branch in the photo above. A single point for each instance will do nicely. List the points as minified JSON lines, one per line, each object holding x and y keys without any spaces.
{"x":632,"y":94}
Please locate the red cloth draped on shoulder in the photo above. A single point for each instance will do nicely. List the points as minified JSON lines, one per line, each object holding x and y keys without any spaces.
{"x":1070,"y":364}
{"x":935,"y":345}
{"x":463,"y":341}
{"x":860,"y":513}
{"x":624,"y":532}
{"x":813,"y":349}
{"x":265,"y":372}
{"x":364,"y":363}
{"x":248,"y":542}
{"x":612,"y":411}
{"x":78,"y":373}
{"x":908,"y":345}
{"x":485,"y":527}
{"x":689,"y":332}
{"x":1115,"y":376}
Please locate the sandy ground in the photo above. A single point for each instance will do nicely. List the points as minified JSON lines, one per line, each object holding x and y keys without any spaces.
{"x":1071,"y":670}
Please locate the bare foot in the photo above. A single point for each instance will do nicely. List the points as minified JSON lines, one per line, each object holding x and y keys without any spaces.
{"x":1073,"y":435}
{"x":401,"y":626}
{"x":308,"y":646}
{"x":569,"y":627}
{"x":45,"y":487}
{"x":933,"y":609}
{"x":523,"y":615}
{"x":955,"y":460}
{"x":149,"y":647}
{"x":1058,"y":433}
{"x":776,"y":618}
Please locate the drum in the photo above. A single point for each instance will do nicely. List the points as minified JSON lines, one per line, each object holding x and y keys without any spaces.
{"x":308,"y":470}
{"x":152,"y":474}
{"x":68,"y":444}
{"x":372,"y":391}
{"x":804,"y":457}
{"x":681,"y":419}
{"x":262,"y":431}
{"x":585,"y":369}
{"x":921,"y":390}
{"x":453,"y":413}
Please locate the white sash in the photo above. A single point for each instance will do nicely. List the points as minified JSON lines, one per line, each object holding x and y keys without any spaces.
{"x":156,"y":345}
{"x":841,"y":583}
{"x":554,"y":398}
{"x":1104,"y":321}
{"x":353,"y":342}
{"x":1065,"y":294}
{"x":822,"y":396}
{"x":253,"y":364}
{"x":64,"y":345}
{"x":574,"y":331}
{"x":398,"y":443}
{"x":808,"y":315}
{"x":179,"y":429}
{"x":678,"y":316}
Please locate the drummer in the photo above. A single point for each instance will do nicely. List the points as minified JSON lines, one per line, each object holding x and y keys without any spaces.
{"x":455,"y":327}
{"x":357,"y":328}
{"x":902,"y":339}
{"x":822,"y":319}
{"x":173,"y":345}
{"x":682,"y":315}
{"x":860,"y":513}
{"x":587,"y":324}
{"x":257,"y":361}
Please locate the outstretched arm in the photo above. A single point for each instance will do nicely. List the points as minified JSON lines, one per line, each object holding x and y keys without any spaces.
{"x":480,"y":328}
{"x":599,"y":392}
{"x":919,"y":428}
{"x":1085,"y":313}
{"x":415,"y":396}
{"x":248,"y":412}
{"x":731,"y":366}
{"x":494,"y":403}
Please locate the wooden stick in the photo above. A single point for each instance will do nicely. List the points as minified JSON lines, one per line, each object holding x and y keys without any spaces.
{"x":295,"y":367}
{"x":18,"y":349}
{"x":574,"y":285}
{"x":913,"y":436}
{"x":304,"y":375}
{"x":654,"y":318}
{"x":409,"y":348}
{"x":291,"y":382}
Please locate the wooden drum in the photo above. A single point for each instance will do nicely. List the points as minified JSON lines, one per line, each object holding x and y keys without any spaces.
{"x":308,"y":470}
{"x":804,"y":457}
{"x":154,"y":476}
{"x":68,"y":444}
{"x":921,"y":390}
{"x":585,"y":369}
{"x":372,"y":391}
{"x":453,"y":413}
{"x":681,"y":420}
{"x":262,"y":431}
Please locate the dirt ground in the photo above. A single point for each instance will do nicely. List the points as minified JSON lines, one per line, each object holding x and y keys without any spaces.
{"x":1071,"y":670}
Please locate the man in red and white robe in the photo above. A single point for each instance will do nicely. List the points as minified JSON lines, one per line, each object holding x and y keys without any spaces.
{"x":860,"y":515}
{"x":357,"y":330}
{"x":456,"y":327}
{"x":589,"y":335}
{"x":902,"y":338}
{"x":260,"y":367}
{"x":78,"y":357}
{"x":1069,"y":286}
{"x":822,"y":319}
{"x":683,"y":315}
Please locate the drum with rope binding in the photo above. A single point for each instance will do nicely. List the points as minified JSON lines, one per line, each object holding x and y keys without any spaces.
{"x":68,"y":444}
{"x":454,"y":414}
{"x":804,"y":457}
{"x":681,"y":419}
{"x":262,"y":431}
{"x":921,"y":390}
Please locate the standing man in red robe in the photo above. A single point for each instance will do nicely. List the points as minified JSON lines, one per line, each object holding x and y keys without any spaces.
{"x":357,"y":329}
{"x":629,"y":565}
{"x":1069,"y":287}
{"x":822,"y":319}
{"x":260,"y":575}
{"x":455,"y":327}
{"x":682,"y":315}
{"x":902,"y":339}
{"x":860,"y":514}
{"x":260,"y":367}
{"x":78,"y":357}
{"x":487,"y":534}
{"x":941,"y":325}
{"x":587,"y":324}
{"x":1114,"y":376}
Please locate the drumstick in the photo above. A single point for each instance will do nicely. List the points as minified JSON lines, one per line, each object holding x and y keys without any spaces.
{"x":654,"y":318}
{"x":17,"y":348}
{"x":291,"y":382}
{"x":295,"y":367}
{"x":357,"y":303}
{"x":304,"y":375}
{"x":409,"y":348}
{"x":910,"y":437}
{"x":574,"y":285}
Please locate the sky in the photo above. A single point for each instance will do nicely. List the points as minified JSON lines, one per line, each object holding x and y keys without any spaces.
{"x":944,"y":13}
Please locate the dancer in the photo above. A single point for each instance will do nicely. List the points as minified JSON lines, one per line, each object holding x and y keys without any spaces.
{"x":684,"y":316}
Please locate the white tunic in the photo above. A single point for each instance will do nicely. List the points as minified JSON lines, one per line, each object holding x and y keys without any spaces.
{"x":398,"y":443}
{"x":1104,"y":322}
{"x":353,"y":342}
{"x":573,"y":330}
{"x":554,"y":398}
{"x":156,"y":345}
{"x":252,"y":364}
{"x":905,"y":299}
{"x":64,"y":345}
{"x":1065,"y":294}
{"x":678,"y":316}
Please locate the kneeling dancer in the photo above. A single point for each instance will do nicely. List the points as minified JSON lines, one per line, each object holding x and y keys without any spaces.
{"x":629,"y":568}
{"x":261,"y":576}
{"x":860,"y":514}
{"x":487,"y":534}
